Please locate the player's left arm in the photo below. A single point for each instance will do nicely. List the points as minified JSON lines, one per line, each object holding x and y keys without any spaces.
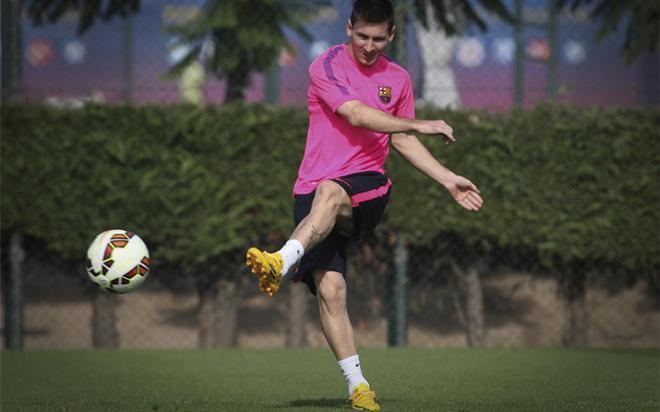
{"x":461,"y":189}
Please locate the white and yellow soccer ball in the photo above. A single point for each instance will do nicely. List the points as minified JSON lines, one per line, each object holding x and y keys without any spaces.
{"x":118,"y":261}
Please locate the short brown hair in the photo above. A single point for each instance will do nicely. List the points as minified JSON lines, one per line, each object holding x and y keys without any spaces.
{"x":373,"y":11}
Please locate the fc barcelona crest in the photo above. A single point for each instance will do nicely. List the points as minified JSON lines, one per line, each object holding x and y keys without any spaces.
{"x":385,"y":94}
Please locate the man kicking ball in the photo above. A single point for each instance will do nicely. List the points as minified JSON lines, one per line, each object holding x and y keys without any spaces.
{"x":359,"y":101}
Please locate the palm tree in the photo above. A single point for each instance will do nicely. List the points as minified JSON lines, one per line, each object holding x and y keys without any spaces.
{"x":437,"y":24}
{"x":439,"y":21}
{"x":50,"y":11}
{"x":641,"y":17}
{"x":235,"y":39}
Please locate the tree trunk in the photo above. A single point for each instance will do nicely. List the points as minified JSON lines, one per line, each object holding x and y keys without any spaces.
{"x":219,"y":300}
{"x":573,"y":288}
{"x":104,"y":320}
{"x":296,"y":333}
{"x":455,"y":293}
{"x":191,"y":84}
{"x":466,"y":291}
{"x":236,"y":84}
{"x":439,"y":82}
{"x":226,"y":301}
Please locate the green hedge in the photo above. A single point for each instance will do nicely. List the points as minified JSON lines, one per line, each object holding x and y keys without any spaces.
{"x":193,"y":183}
{"x":568,"y":183}
{"x":571,"y":184}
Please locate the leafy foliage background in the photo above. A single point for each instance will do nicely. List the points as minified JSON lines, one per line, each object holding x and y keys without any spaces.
{"x":561,"y":184}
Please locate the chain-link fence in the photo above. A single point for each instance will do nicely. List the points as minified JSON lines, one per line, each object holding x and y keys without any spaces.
{"x":447,"y":303}
{"x":128,"y":59}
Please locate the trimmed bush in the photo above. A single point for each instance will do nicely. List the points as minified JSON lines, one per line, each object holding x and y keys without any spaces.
{"x":569,"y":184}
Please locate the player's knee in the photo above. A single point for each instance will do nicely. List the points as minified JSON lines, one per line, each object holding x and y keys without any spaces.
{"x":332,"y":292}
{"x":330,"y":193}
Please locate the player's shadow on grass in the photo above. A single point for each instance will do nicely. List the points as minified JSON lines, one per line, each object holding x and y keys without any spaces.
{"x":319,"y":403}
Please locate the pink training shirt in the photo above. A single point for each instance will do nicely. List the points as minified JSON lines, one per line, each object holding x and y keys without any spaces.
{"x":334,"y":147}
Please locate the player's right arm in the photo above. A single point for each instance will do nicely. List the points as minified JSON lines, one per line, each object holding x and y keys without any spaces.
{"x":360,"y":115}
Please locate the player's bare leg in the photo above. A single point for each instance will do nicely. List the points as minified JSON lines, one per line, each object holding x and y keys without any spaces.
{"x":338,"y":331}
{"x":331,"y":206}
{"x":335,"y":322}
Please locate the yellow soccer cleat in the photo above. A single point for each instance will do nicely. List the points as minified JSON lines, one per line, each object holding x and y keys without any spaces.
{"x":267,"y":267}
{"x":364,"y":399}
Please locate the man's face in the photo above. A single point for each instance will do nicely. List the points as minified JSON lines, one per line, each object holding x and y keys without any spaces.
{"x":368,"y":40}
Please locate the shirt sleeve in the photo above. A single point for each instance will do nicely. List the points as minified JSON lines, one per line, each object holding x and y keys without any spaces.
{"x":406,"y":105}
{"x":329,"y":81}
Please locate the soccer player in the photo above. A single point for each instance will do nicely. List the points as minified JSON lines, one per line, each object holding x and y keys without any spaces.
{"x":359,"y":101}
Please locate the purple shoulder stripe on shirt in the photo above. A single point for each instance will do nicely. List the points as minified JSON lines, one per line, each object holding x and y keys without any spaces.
{"x":391,"y":60}
{"x":329,"y":73}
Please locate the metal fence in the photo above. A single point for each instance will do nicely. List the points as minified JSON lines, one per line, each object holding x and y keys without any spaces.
{"x":550,"y":56}
{"x":398,"y":295}
{"x":126,"y":60}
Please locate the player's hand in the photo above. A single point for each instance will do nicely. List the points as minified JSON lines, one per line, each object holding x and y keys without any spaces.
{"x":465,"y":193}
{"x":437,"y":127}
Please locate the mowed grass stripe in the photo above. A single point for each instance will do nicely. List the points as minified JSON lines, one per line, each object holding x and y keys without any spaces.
{"x":455,"y":379}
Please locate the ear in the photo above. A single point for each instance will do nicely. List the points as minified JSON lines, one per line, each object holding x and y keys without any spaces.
{"x":349,"y":28}
{"x":392,"y":32}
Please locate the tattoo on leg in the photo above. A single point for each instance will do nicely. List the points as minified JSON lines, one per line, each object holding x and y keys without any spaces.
{"x":315,"y":235}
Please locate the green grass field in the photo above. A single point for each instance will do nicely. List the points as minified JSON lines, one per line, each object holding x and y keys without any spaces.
{"x":309,"y":379}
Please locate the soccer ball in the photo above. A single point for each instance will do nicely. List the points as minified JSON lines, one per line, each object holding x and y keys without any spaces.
{"x":117,"y":261}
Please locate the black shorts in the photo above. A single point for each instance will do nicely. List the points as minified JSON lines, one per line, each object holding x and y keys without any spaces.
{"x":369,"y":193}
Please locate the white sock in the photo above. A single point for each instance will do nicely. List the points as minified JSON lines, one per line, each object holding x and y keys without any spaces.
{"x":291,"y":252}
{"x":352,"y":371}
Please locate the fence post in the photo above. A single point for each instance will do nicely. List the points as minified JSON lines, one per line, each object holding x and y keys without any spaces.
{"x":12,"y":293}
{"x":11,"y":48}
{"x":397,"y":330}
{"x":518,"y":94}
{"x":127,"y":59}
{"x":554,"y":58}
